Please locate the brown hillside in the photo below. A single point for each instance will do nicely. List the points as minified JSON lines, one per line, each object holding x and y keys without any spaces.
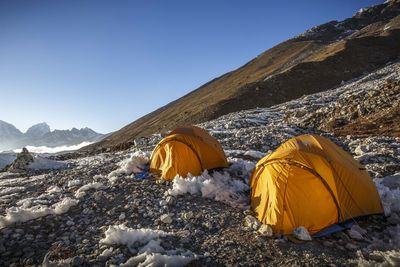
{"x":317,"y":60}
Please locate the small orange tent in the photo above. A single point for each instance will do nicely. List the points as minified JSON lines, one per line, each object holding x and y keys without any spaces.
{"x":309,"y":181}
{"x":187,"y":150}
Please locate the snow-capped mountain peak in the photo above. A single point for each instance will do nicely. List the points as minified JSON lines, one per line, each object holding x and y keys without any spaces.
{"x":41,"y":135}
{"x":38,"y":130}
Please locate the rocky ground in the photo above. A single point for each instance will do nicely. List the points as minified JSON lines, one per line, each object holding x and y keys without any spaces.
{"x":94,"y":211}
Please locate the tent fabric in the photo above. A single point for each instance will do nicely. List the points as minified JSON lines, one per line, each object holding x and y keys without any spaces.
{"x":187,"y":150}
{"x":309,"y":181}
{"x":334,"y":228}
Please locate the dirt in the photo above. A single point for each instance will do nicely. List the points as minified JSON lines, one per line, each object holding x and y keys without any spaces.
{"x":315,"y":61}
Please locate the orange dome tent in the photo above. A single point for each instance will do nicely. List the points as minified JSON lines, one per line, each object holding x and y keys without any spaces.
{"x":309,"y":181}
{"x":187,"y":150}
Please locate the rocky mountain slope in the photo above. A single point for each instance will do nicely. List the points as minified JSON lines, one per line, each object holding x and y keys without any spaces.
{"x":40,"y":135}
{"x":95,"y":211}
{"x":317,"y":60}
{"x":9,"y":133}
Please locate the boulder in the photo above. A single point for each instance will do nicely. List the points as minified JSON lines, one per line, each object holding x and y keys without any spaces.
{"x":251,"y":222}
{"x":166,"y":218}
{"x":302,"y":233}
{"x":22,"y":161}
{"x":265,"y":230}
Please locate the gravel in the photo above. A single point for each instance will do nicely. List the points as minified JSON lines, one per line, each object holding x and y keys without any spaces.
{"x":217,"y":233}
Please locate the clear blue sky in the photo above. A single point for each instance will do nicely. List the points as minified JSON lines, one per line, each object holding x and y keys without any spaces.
{"x":103,"y":64}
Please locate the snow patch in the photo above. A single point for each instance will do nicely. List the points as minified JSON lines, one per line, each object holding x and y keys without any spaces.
{"x":156,"y":259}
{"x":53,"y":189}
{"x":390,"y":198}
{"x":11,"y":190}
{"x":241,"y":168}
{"x":218,"y":186}
{"x":122,"y":235}
{"x":40,"y":163}
{"x":254,"y":154}
{"x":151,"y":253}
{"x":81,"y":192}
{"x":75,"y":182}
{"x":18,"y":214}
{"x":134,"y":164}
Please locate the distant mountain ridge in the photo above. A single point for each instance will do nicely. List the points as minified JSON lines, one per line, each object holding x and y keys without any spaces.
{"x":41,"y":135}
{"x":317,"y":60}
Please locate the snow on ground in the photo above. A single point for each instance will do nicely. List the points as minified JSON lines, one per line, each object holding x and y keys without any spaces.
{"x":11,"y":190}
{"x":24,"y":211}
{"x":12,"y":179}
{"x":254,"y":154}
{"x":199,"y":225}
{"x":148,"y":259}
{"x":54,"y":189}
{"x":219,"y":186}
{"x":122,"y":235}
{"x":134,"y":164}
{"x":17,"y":214}
{"x":74,"y":182}
{"x":148,"y":245}
{"x":390,"y":198}
{"x":81,"y":192}
{"x":46,"y":149}
{"x":40,"y":163}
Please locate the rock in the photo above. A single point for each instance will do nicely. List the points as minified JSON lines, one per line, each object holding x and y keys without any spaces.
{"x":187,"y":215}
{"x":355,"y":235}
{"x":340,"y":247}
{"x":351,"y":246}
{"x":265,"y":230}
{"x":327,"y":243}
{"x":251,"y":222}
{"x":170,"y":200}
{"x":248,"y":212}
{"x":98,"y":196}
{"x":122,"y":216}
{"x":356,"y":232}
{"x":208,"y":225}
{"x":76,"y":261}
{"x":394,"y":218}
{"x":360,"y":150}
{"x":302,"y":233}
{"x":22,"y":161}
{"x":166,"y":218}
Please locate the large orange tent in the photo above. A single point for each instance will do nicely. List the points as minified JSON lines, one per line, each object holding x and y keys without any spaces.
{"x":309,"y":181}
{"x":187,"y":150}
